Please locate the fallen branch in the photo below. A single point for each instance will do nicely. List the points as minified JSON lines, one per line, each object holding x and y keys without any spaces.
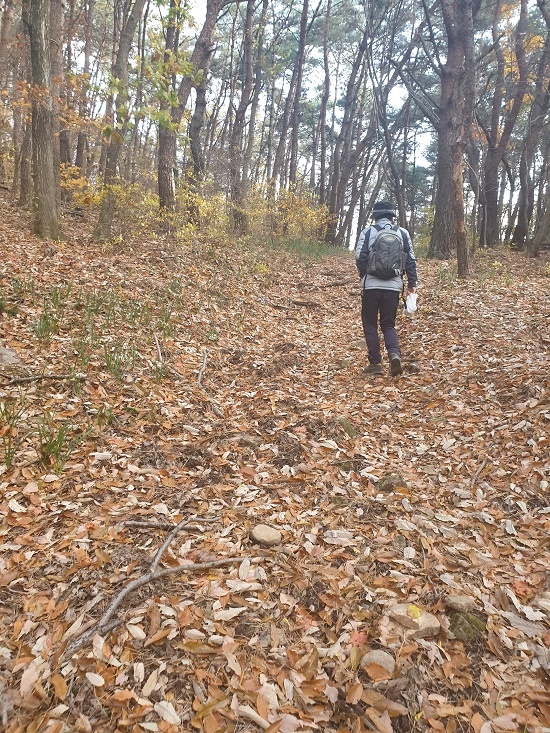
{"x":280,"y":307}
{"x":203,"y":368}
{"x":336,"y":283}
{"x":476,"y":474}
{"x":39,"y":377}
{"x":306,"y":303}
{"x":215,"y":409}
{"x":159,"y":352}
{"x":159,"y":525}
{"x":105,"y":623}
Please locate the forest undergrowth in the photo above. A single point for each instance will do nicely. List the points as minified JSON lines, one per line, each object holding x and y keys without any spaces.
{"x":157,"y":403}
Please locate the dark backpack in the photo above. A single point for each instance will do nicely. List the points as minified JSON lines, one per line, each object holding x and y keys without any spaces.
{"x":386,"y":257}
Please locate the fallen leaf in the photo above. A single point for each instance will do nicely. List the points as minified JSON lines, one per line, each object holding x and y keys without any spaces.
{"x":166,"y":711}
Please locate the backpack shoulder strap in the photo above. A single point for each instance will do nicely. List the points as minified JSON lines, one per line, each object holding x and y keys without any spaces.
{"x":373,"y":231}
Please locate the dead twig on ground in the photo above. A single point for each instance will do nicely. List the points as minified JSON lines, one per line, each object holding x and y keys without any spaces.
{"x":305,"y":303}
{"x":159,"y":352}
{"x":41,"y":377}
{"x":160,"y":525}
{"x":336,"y":283}
{"x":106,"y":623}
{"x":477,"y":473}
{"x":215,"y":409}
{"x":203,"y":367}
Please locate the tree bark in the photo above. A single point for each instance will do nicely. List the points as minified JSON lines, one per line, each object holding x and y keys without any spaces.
{"x":324,"y":106}
{"x":44,"y":204}
{"x":499,"y":132}
{"x":82,"y":139}
{"x":453,"y":127}
{"x":536,"y":123}
{"x":335,"y":191}
{"x":167,"y":145}
{"x":56,"y":61}
{"x":102,"y":231}
{"x":238,"y":183}
{"x":295,"y":116}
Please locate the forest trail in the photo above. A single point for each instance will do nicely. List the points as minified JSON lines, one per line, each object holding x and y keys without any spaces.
{"x":226,"y":383}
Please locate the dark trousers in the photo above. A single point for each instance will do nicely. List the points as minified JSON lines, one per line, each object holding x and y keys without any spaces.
{"x":381,"y":303}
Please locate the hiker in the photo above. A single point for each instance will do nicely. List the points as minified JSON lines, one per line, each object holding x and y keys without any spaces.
{"x":382,"y":283}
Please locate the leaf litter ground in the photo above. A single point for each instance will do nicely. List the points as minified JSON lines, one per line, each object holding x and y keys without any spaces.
{"x":225,"y":386}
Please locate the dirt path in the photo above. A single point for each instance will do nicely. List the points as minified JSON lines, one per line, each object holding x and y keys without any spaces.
{"x":228,"y":385}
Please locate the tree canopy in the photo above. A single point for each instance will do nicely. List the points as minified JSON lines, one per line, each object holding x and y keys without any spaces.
{"x":255,"y":105}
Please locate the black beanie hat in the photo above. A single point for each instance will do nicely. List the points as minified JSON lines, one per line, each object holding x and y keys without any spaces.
{"x":383,"y":208}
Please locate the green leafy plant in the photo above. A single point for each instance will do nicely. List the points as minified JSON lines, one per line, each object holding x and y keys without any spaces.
{"x":82,"y":352}
{"x":106,"y":416}
{"x":10,"y":413}
{"x":23,"y":288}
{"x":307,"y":249}
{"x":57,"y":441}
{"x":59,"y":295}
{"x":47,"y":324}
{"x":159,"y":371}
{"x":10,"y":309}
{"x":119,"y":358}
{"x":166,"y":325}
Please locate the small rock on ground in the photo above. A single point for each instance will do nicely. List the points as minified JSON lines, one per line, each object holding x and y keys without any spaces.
{"x":8,"y":356}
{"x":418,"y":624}
{"x":381,"y":658}
{"x":391,"y":481}
{"x":348,"y":426}
{"x":265,"y":535}
{"x":465,"y":627}
{"x":462,"y":604}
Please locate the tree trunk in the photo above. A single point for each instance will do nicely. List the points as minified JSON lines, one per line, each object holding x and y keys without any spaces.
{"x":25,"y":169}
{"x":335,"y":191}
{"x":81,"y":145}
{"x":255,"y":100}
{"x":542,"y":232}
{"x":324,"y":106}
{"x":200,"y":63}
{"x":102,"y":231}
{"x":295,"y":116}
{"x":455,"y":120}
{"x":499,"y":133}
{"x":44,"y":204}
{"x":238,"y":183}
{"x":537,"y":121}
{"x":56,"y":61}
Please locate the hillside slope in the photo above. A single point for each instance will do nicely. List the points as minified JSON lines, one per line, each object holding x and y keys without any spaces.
{"x":147,"y":385}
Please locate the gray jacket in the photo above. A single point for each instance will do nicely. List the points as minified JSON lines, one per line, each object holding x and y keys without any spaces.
{"x":369,"y":282}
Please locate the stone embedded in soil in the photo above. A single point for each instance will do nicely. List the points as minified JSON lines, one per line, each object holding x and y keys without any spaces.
{"x":462,"y":604}
{"x":381,"y":658}
{"x":347,"y":426}
{"x":391,"y":481}
{"x":465,"y":627}
{"x":8,"y":356}
{"x":265,"y":535}
{"x":418,"y":624}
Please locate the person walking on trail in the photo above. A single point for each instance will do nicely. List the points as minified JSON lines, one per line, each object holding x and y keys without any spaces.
{"x":383,"y":253}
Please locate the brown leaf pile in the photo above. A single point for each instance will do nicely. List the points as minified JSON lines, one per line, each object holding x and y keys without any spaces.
{"x":225,"y":384}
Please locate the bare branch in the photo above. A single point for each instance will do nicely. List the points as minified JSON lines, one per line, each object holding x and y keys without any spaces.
{"x":105,"y":624}
{"x":41,"y":377}
{"x":203,"y":367}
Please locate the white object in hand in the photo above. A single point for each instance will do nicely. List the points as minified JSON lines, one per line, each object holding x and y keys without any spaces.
{"x":410,"y":303}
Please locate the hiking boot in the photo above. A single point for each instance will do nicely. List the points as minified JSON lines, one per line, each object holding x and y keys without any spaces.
{"x":395,"y":365}
{"x":373,"y":369}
